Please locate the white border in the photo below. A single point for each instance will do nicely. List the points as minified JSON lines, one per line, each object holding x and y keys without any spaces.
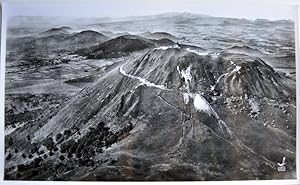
{"x":2,"y":98}
{"x":2,"y":94}
{"x":297,"y":45}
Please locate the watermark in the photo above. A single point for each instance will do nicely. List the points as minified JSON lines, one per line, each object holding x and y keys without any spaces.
{"x":281,"y":166}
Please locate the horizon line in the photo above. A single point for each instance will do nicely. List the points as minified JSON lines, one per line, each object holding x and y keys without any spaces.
{"x":149,"y":15}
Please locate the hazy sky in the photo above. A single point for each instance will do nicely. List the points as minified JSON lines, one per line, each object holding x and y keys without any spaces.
{"x":120,"y":8}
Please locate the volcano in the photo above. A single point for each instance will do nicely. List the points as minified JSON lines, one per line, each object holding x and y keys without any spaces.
{"x":121,"y":46}
{"x":170,"y":113}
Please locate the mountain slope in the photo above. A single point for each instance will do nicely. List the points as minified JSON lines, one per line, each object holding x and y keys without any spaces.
{"x":231,"y":74}
{"x":121,"y":46}
{"x":161,"y":116}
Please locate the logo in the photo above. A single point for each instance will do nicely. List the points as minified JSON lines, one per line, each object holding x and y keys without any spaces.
{"x":281,"y":166}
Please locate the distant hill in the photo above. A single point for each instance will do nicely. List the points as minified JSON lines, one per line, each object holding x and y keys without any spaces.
{"x":58,"y":39}
{"x":245,"y":50}
{"x":121,"y":46}
{"x":86,"y":37}
{"x":159,"y":35}
{"x":54,"y":31}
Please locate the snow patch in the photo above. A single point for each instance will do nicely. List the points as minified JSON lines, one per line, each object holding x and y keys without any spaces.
{"x":186,"y":74}
{"x":254,"y":105}
{"x":186,"y":98}
{"x":201,"y":104}
{"x":237,"y":68}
